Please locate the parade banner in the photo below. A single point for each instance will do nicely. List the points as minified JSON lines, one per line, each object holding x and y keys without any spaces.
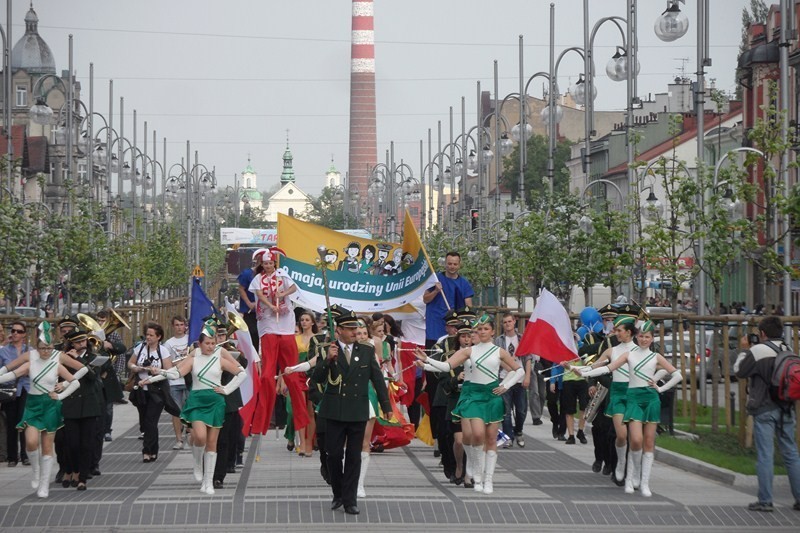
{"x":255,"y":236}
{"x":364,"y":275}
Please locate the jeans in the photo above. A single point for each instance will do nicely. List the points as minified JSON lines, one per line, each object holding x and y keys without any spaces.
{"x":537,"y":392}
{"x":766,"y":426}
{"x":515,"y":397}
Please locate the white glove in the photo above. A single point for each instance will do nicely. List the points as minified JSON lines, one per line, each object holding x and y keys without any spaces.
{"x":3,"y":370}
{"x":512,"y":378}
{"x":427,"y":367}
{"x":237,"y":380}
{"x":660,"y":374}
{"x":674,"y":380}
{"x":80,"y":373}
{"x":439,"y":366}
{"x":8,"y":376}
{"x":593,"y":373}
{"x":305,"y":366}
{"x":72,"y":387}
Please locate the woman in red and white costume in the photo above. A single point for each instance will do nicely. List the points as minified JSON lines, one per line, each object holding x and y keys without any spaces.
{"x":276,"y":327}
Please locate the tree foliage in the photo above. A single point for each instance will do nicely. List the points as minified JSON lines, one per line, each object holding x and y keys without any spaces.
{"x":536,"y":168}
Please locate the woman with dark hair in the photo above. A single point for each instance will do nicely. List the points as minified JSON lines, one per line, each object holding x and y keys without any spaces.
{"x":204,"y":410}
{"x":481,"y":404}
{"x":308,"y":328}
{"x":147,"y":359}
{"x":367,"y":259}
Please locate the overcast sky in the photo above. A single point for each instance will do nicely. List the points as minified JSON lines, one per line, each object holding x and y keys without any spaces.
{"x":232,"y":76}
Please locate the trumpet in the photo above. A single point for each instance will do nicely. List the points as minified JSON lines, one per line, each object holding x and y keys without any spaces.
{"x":585,"y":358}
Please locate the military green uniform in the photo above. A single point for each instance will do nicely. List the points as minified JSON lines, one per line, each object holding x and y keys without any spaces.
{"x":81,"y":412}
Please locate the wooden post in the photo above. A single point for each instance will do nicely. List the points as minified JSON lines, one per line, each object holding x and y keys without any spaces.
{"x":693,"y":382}
{"x":726,"y":367}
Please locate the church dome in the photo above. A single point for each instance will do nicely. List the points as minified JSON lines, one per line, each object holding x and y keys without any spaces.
{"x":31,"y":53}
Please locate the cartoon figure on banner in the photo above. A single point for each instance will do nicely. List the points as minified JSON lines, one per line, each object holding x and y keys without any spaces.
{"x":350,"y":261}
{"x":378,"y":268}
{"x":367,"y":259}
{"x":331,"y":256}
{"x":408,"y":260}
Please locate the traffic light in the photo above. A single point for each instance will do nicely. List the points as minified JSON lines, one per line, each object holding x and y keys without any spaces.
{"x":474,"y":218}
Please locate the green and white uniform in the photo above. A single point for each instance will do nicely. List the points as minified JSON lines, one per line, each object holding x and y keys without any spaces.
{"x":619,"y":386}
{"x":477,"y":399}
{"x":41,"y":411}
{"x":204,"y":404}
{"x":643,"y":403}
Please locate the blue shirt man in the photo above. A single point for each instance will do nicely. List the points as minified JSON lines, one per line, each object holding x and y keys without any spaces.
{"x":455,"y":288}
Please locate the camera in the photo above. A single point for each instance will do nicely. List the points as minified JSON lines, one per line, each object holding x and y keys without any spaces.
{"x":753,"y":338}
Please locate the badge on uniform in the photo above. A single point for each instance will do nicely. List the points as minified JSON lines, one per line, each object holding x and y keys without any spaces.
{"x":356,"y":358}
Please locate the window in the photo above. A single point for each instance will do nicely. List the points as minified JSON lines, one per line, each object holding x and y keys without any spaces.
{"x":22,"y":96}
{"x":82,"y":171}
{"x":248,"y":183}
{"x":291,"y":211}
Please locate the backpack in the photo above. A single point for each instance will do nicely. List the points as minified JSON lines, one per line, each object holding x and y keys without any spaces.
{"x":784,"y":386}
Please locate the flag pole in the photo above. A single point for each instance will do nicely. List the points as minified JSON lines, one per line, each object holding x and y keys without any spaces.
{"x":425,"y":252}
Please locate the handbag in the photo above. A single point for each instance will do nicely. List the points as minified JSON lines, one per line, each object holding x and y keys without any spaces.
{"x":133,"y":379}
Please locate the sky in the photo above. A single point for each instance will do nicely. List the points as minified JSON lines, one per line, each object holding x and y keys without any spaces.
{"x":234,"y":76}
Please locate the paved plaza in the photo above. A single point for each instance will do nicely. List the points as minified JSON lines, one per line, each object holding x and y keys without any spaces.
{"x":546,"y":486}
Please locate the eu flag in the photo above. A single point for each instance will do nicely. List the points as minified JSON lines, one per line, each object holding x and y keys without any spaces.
{"x":201,"y":308}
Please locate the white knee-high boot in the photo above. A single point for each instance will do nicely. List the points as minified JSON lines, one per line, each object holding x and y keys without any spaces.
{"x":477,"y":469}
{"x":197,"y":457}
{"x":647,"y":467}
{"x":629,"y":475}
{"x":488,"y":478}
{"x":470,"y":462}
{"x":44,"y":476}
{"x":361,"y":493}
{"x":637,"y":469}
{"x":210,"y":459}
{"x":619,"y":472}
{"x":33,"y":457}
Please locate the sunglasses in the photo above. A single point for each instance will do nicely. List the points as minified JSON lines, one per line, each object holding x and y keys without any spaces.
{"x":20,"y":331}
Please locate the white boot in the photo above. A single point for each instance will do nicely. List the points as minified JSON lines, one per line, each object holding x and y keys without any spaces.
{"x":477,"y":469}
{"x":33,"y":457}
{"x":210,"y":462}
{"x":647,"y":467}
{"x":470,"y":462}
{"x":488,"y":478}
{"x":361,"y":493}
{"x":197,"y":456}
{"x":44,"y":476}
{"x":637,"y":468}
{"x":619,"y":472}
{"x":629,"y":475}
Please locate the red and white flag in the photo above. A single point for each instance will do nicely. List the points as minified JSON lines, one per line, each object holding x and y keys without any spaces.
{"x":549,"y":331}
{"x":251,"y":386}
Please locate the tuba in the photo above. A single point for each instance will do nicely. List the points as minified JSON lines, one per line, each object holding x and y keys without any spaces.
{"x":594,"y":406}
{"x":235,"y":323}
{"x":115,"y":321}
{"x":92,"y":326}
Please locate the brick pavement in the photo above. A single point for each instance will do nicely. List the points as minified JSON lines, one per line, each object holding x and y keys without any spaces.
{"x":546,"y":485}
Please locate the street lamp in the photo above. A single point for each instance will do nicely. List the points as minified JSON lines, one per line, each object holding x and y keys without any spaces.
{"x":672,"y":24}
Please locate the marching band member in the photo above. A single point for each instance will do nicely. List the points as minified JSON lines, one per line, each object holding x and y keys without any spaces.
{"x":481,"y":404}
{"x":451,"y":386}
{"x":643,"y":406}
{"x":204,"y":409}
{"x":42,"y":415}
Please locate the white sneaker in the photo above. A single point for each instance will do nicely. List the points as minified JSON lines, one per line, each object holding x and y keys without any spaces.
{"x":178,"y":445}
{"x":520,"y":441}
{"x":361,"y":493}
{"x":488,"y":487}
{"x":478,"y":486}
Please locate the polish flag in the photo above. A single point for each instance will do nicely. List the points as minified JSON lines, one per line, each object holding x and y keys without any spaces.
{"x":549,"y":332}
{"x":251,"y":386}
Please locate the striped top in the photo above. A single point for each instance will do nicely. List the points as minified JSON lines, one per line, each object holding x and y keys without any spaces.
{"x":485,"y":359}
{"x":206,"y":370}
{"x":620,"y":375}
{"x":642,"y":367}
{"x":43,"y":372}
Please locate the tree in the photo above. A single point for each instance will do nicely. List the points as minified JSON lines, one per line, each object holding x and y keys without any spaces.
{"x":757,"y":14}
{"x":536,"y":168}
{"x":327,"y":209}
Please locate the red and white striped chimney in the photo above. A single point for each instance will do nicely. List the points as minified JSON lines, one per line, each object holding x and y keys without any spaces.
{"x":363,"y":130}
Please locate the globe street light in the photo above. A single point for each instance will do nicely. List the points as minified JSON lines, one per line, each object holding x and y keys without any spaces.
{"x":672,"y":24}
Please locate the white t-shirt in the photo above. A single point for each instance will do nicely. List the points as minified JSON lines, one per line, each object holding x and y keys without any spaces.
{"x":268,"y":321}
{"x":179,"y":345}
{"x":413,"y":328}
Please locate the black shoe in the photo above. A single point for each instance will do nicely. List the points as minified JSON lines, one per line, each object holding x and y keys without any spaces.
{"x":75,"y":483}
{"x":796,"y":506}
{"x":563,"y":438}
{"x":65,"y":483}
{"x":231,"y":470}
{"x":437,"y":453}
{"x":121,"y":402}
{"x":290,"y":446}
{"x":141,"y":437}
{"x":458,"y":480}
{"x":335,"y":504}
{"x":378,"y":448}
{"x":95,"y":471}
{"x":59,"y":476}
{"x":763,"y":507}
{"x":218,"y":484}
{"x":351,"y":509}
{"x":555,"y":432}
{"x":597,"y":466}
{"x":26,"y":461}
{"x":12,"y":464}
{"x":607,"y":469}
{"x":570,"y":440}
{"x":582,"y":437}
{"x":469,"y":483}
{"x":81,"y":485}
{"x":239,"y":460}
{"x":617,"y":482}
{"x":537,"y":422}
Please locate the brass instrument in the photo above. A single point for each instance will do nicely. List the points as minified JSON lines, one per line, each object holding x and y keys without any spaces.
{"x":96,"y":336}
{"x":114,"y":322}
{"x":594,"y":406}
{"x":236,"y":323}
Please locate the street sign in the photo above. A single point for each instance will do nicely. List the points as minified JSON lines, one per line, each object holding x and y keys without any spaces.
{"x":198,"y":272}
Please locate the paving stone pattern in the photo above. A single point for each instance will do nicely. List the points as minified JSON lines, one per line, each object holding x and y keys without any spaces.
{"x":545,"y":485}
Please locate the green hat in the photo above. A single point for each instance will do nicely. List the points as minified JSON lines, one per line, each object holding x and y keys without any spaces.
{"x":484,"y":319}
{"x":647,"y":327}
{"x":209,"y":328}
{"x":46,"y":333}
{"x":347,"y":319}
{"x":624,"y":319}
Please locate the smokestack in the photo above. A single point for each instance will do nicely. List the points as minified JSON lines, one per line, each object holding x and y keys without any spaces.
{"x":363,"y":130}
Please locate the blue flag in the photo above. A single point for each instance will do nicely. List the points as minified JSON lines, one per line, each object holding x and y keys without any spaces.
{"x":201,"y":308}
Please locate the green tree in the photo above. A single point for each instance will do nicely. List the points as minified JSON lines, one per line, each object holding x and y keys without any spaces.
{"x":327,"y":209}
{"x":757,"y":14}
{"x":536,"y":168}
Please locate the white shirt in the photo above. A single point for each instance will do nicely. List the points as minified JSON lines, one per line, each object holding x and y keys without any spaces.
{"x":620,"y":375}
{"x":179,"y":345}
{"x":43,"y":372}
{"x":206,"y":370}
{"x":268,"y":321}
{"x":485,"y":358}
{"x":413,"y":328}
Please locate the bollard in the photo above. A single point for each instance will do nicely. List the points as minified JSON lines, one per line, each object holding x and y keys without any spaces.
{"x":733,"y":409}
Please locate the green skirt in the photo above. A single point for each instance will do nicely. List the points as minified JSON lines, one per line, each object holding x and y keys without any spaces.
{"x":204,"y":406}
{"x":643,"y":405}
{"x":41,"y":412}
{"x":617,"y":397}
{"x":478,"y":401}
